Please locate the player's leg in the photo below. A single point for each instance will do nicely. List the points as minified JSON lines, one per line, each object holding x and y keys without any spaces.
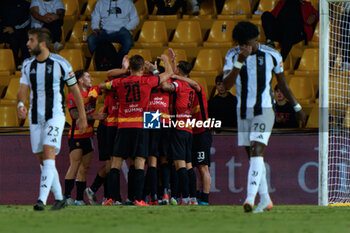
{"x":153,"y":178}
{"x":75,"y":157}
{"x":96,"y":184}
{"x":192,"y":178}
{"x":139,"y":179}
{"x":206,"y":180}
{"x":114,"y":180}
{"x":81,"y":178}
{"x":131,"y":183}
{"x":165,"y":178}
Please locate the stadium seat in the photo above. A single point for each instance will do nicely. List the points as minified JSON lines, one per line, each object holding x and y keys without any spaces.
{"x":145,"y":53}
{"x":206,"y":12}
{"x":88,"y":10}
{"x":315,"y":4}
{"x":312,"y":121}
{"x":82,"y":4}
{"x":309,"y":63}
{"x":303,"y":89}
{"x":77,"y":32}
{"x":236,"y":10}
{"x":316,"y":37}
{"x":203,"y":82}
{"x":188,"y":33}
{"x":264,"y":5}
{"x":142,"y":9}
{"x":153,"y":34}
{"x":208,"y":63}
{"x":70,"y":16}
{"x":261,"y":37}
{"x":7,"y":62}
{"x":11,"y":92}
{"x":220,"y":34}
{"x":8,"y":116}
{"x":346,"y":123}
{"x":338,"y":95}
{"x":74,"y":57}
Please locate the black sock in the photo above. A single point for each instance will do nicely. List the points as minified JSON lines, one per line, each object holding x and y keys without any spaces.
{"x":165,"y":176}
{"x":81,"y":186}
{"x":183,"y":182}
{"x":205,"y":197}
{"x":192,"y":182}
{"x":174,"y":180}
{"x":68,"y":187}
{"x":198,"y":195}
{"x":105,"y":187}
{"x":114,"y":184}
{"x":139,"y":181}
{"x":131,"y":175}
{"x":147,"y":185}
{"x":97,"y":183}
{"x":153,"y":182}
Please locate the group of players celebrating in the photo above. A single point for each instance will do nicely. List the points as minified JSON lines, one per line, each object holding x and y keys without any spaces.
{"x":136,"y":88}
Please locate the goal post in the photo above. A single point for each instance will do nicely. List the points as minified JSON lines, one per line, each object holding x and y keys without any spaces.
{"x":334,"y":102}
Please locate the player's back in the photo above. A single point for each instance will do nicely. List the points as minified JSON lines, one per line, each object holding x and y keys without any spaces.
{"x":134,"y":94}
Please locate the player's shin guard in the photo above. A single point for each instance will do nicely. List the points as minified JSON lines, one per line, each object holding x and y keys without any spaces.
{"x":46,"y":178}
{"x":192,"y":183}
{"x":139,"y":181}
{"x":81,"y":186}
{"x":114,"y":183}
{"x":174,"y":183}
{"x":183,"y":182}
{"x":68,"y":187}
{"x":254,"y":178}
{"x":131,"y":181}
{"x":56,"y":186}
{"x":263,"y":187}
{"x":165,"y":176}
{"x":98,"y":181}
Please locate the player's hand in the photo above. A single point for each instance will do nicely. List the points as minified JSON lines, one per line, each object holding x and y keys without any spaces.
{"x":125,"y":63}
{"x":149,"y":67}
{"x":100,"y":116}
{"x":22,"y":112}
{"x":245,"y":51}
{"x":171,"y":54}
{"x":163,"y":57}
{"x":301,"y":117}
{"x":82,"y":124}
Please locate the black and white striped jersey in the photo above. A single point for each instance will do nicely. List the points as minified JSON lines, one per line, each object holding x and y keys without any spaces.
{"x":253,"y":84}
{"x":46,"y":82}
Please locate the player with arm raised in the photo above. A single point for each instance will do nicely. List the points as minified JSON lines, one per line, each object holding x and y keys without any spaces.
{"x":132,"y":140}
{"x":45,"y":74}
{"x":250,"y":66}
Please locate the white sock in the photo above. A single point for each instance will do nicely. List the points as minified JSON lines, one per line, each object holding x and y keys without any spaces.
{"x":56,"y":186}
{"x":263,"y":188}
{"x":254,"y":178}
{"x":46,"y":178}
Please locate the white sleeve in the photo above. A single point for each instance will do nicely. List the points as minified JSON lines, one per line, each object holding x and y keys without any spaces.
{"x":228,"y":61}
{"x":25,"y":76}
{"x":59,"y":5}
{"x":34,"y":3}
{"x":279,"y":66}
{"x":96,"y":16}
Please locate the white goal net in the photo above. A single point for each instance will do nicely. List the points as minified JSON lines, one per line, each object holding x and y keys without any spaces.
{"x":338,"y":102}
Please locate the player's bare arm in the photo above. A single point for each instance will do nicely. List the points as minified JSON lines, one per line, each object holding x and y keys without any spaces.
{"x":230,"y":76}
{"x":168,"y":87}
{"x":21,"y":99}
{"x":123,"y":70}
{"x":168,"y":69}
{"x":282,"y":84}
{"x":96,"y":116}
{"x":172,"y":56}
{"x":191,"y":82}
{"x":81,"y":121}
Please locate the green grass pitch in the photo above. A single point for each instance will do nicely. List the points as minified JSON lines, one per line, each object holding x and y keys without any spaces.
{"x":176,"y":219}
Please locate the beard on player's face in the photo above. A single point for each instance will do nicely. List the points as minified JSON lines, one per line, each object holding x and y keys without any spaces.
{"x":36,"y":50}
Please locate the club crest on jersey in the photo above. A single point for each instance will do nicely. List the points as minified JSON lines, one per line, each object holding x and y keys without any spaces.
{"x":151,"y":120}
{"x":49,"y":69}
{"x":261,"y":61}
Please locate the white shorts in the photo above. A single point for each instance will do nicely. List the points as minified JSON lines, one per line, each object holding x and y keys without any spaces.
{"x":256,"y":129}
{"x":47,"y":133}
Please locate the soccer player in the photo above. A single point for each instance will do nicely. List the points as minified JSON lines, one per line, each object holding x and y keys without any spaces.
{"x":250,"y":65}
{"x":181,"y":136}
{"x":106,"y":133}
{"x":81,"y":144}
{"x":131,"y":140}
{"x":45,"y":74}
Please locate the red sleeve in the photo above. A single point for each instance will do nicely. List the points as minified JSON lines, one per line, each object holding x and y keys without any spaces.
{"x":70,"y":101}
{"x":177,"y":85}
{"x":153,"y":81}
{"x":277,"y":8}
{"x":115,"y":83}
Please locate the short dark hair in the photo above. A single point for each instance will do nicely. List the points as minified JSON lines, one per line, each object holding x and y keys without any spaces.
{"x":136,"y":62}
{"x":184,"y":67}
{"x":43,"y":34}
{"x":79,"y":74}
{"x":244,"y":31}
{"x":219,"y":78}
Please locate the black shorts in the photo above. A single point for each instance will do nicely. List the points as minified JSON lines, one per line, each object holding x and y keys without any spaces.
{"x":201,"y":148}
{"x":131,"y":143}
{"x":105,"y":137}
{"x":86,"y":144}
{"x":181,"y":144}
{"x":159,"y":142}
